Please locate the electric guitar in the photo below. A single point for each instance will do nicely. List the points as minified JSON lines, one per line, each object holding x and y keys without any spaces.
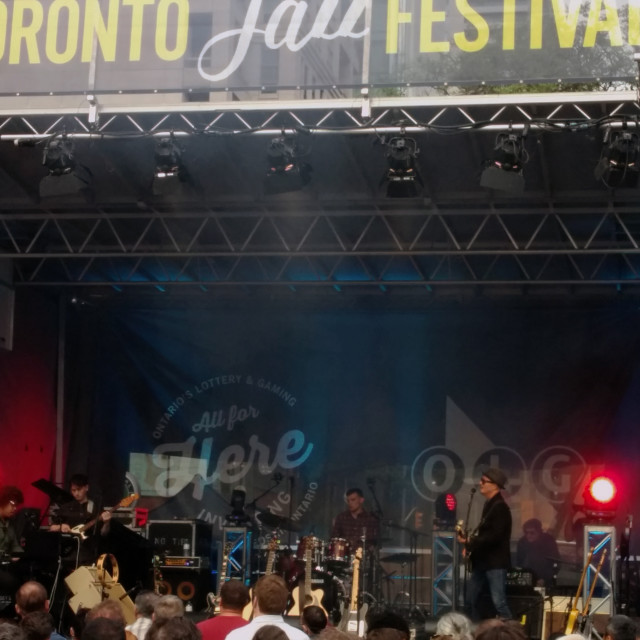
{"x":81,"y":529}
{"x":461,"y":531}
{"x":354,"y":620}
{"x":213,"y":600}
{"x":247,"y":612}
{"x":303,"y":596}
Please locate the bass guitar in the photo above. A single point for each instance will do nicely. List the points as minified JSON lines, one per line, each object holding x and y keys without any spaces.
{"x":353,"y":621}
{"x":303,"y":596}
{"x":81,"y":529}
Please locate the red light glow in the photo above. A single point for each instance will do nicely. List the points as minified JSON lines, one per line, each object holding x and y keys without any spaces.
{"x":450,"y":502}
{"x":602,"y":490}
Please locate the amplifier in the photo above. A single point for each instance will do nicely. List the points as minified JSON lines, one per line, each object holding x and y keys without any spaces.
{"x":185,"y":562}
{"x":519,"y":578}
{"x":190,"y":538}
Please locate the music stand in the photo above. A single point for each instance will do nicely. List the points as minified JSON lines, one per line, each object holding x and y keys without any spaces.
{"x":55,"y":493}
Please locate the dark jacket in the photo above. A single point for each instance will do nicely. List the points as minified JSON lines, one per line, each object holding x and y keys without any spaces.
{"x":489,"y":545}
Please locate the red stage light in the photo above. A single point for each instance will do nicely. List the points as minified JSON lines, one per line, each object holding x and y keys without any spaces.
{"x":450,"y":502}
{"x":602,"y":490}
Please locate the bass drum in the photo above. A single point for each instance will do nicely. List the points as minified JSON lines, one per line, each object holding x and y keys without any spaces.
{"x":336,"y":598}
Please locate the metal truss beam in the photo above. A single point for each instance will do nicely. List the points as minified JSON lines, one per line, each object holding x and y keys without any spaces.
{"x":550,"y":235}
{"x":363,"y":248}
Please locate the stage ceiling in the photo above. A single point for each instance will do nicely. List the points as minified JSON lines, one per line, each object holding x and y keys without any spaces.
{"x":566,"y":234}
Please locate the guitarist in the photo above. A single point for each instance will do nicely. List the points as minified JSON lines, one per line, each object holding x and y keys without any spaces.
{"x":488,"y":547}
{"x":80,"y":511}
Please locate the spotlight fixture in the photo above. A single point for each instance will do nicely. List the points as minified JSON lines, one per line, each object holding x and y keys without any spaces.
{"x":600,"y":499}
{"x":171,"y":180}
{"x":401,"y":153}
{"x":504,"y":171}
{"x":66,"y":177}
{"x":286,"y":170}
{"x":445,"y":510}
{"x":168,"y":156}
{"x":619,"y":162}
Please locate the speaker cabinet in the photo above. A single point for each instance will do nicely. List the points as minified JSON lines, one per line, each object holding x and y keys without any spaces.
{"x":526,"y":609}
{"x":190,"y":585}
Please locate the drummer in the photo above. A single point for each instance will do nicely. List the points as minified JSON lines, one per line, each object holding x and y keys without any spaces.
{"x":355,"y":522}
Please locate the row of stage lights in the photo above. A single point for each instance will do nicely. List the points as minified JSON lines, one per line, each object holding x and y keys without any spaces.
{"x":288,"y":168}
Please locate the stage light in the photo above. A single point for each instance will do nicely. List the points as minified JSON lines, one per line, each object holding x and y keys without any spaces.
{"x":504,"y":171}
{"x":619,"y":162}
{"x":601,"y":498}
{"x":171,"y":180}
{"x":168,"y":157}
{"x":602,"y":490}
{"x":286,"y":170}
{"x":66,"y":177}
{"x":401,"y":177}
{"x":446,"y":506}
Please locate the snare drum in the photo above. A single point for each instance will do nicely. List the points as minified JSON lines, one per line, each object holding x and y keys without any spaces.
{"x":339,"y":551}
{"x":315,"y":547}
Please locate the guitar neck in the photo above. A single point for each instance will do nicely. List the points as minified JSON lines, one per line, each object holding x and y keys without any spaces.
{"x":270,"y":559}
{"x":307,"y":575}
{"x":353,"y":605}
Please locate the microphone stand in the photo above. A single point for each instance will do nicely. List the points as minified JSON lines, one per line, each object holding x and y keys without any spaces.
{"x":466,"y":535}
{"x":374,"y":564}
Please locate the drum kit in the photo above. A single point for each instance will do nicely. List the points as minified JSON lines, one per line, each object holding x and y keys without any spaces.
{"x":327,"y":567}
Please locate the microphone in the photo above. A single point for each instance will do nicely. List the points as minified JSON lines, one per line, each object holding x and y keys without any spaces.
{"x":473,"y":490}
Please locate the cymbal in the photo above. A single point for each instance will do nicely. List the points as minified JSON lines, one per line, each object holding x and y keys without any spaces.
{"x":401,"y":558}
{"x":278,"y":522}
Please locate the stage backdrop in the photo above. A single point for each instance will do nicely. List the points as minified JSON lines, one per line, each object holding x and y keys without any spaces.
{"x":186,"y":404}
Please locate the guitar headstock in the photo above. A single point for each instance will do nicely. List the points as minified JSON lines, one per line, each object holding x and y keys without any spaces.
{"x":273,"y":543}
{"x":129,"y":500}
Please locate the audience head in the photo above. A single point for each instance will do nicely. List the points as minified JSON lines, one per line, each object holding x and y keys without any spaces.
{"x":496,"y":629}
{"x":175,"y":628}
{"x":333,"y":633}
{"x":456,"y":625}
{"x":234,"y":595}
{"x":109,"y":609}
{"x":30,"y":597}
{"x":145,"y":603}
{"x":621,"y":627}
{"x":10,"y":631}
{"x":387,"y":625}
{"x":103,"y":629}
{"x":313,"y":620}
{"x":271,"y":594}
{"x":270,"y":632}
{"x":78,"y":623}
{"x":167,"y":607}
{"x":37,"y":625}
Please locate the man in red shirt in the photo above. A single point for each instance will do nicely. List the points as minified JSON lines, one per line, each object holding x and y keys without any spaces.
{"x":234,"y":596}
